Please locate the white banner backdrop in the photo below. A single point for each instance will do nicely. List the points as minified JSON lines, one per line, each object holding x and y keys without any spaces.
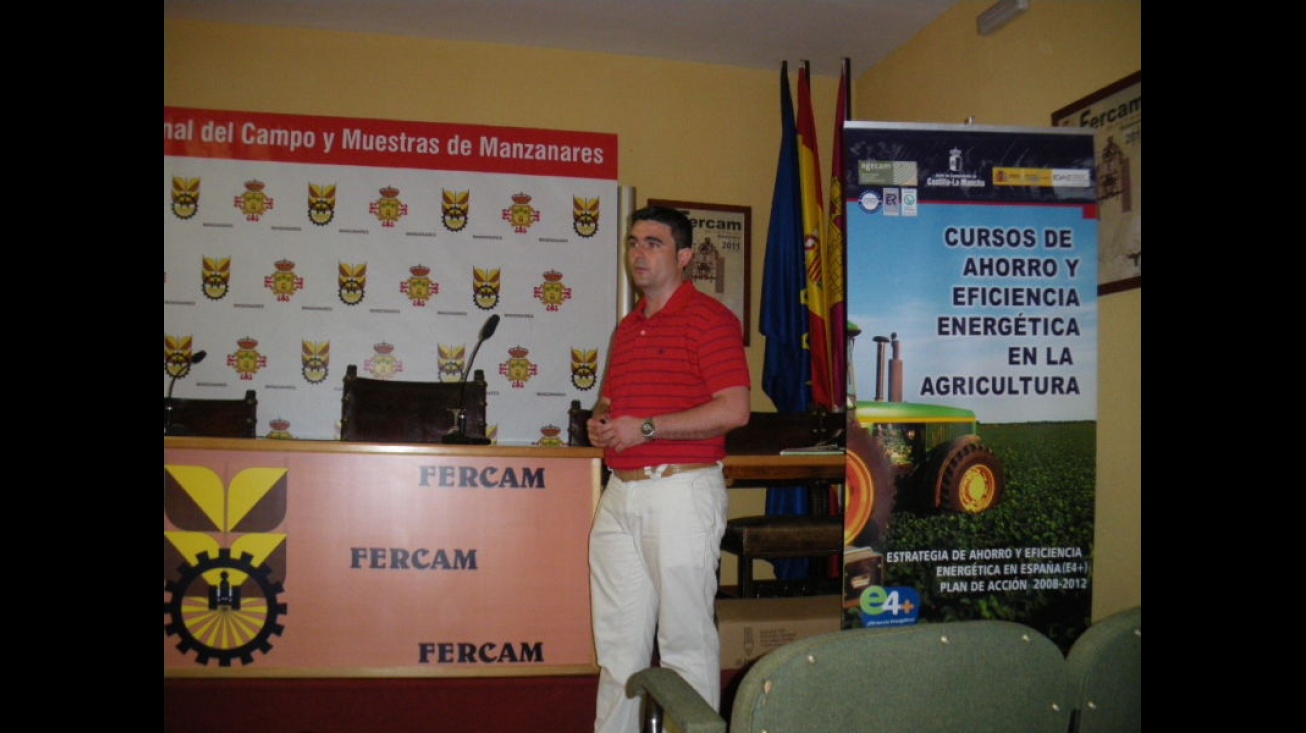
{"x":294,"y":246}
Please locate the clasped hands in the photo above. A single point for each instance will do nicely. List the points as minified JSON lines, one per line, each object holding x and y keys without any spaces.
{"x":618,"y":433}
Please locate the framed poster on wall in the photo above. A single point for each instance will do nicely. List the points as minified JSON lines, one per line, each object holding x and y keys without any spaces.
{"x":721,"y":266}
{"x":1115,"y":112}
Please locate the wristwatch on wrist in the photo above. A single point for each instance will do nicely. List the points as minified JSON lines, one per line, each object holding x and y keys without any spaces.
{"x":649,"y":431}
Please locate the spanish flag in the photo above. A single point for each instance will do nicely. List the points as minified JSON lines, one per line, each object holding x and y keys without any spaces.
{"x":814,"y":218}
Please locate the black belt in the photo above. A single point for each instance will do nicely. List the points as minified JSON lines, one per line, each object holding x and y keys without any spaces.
{"x":668,"y":469}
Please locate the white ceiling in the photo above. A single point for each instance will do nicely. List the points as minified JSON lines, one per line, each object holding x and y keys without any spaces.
{"x":756,"y":34}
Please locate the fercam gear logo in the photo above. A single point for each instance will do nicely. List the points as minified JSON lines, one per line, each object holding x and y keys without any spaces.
{"x":216,"y":277}
{"x":450,"y":358}
{"x":224,"y":603}
{"x":185,"y":197}
{"x":321,"y":203}
{"x":584,"y":215}
{"x":454,"y":206}
{"x":315,"y":360}
{"x":177,"y":355}
{"x":584,"y":367}
{"x":215,"y":622}
{"x":351,"y":282}
{"x":486,"y":282}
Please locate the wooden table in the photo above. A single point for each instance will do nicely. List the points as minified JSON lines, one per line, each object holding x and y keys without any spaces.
{"x":817,"y":472}
{"x":748,"y":471}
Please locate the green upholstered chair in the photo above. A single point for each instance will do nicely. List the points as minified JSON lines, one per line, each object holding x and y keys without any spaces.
{"x":1106,"y":669}
{"x":962,"y":677}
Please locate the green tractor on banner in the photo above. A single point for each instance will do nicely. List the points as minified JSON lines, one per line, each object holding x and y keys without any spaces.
{"x":911,"y":456}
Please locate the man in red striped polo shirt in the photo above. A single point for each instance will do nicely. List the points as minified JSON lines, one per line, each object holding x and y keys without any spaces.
{"x":677,"y":381}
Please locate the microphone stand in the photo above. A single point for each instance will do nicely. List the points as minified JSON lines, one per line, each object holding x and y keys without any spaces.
{"x":458,"y":435}
{"x":195,"y":358}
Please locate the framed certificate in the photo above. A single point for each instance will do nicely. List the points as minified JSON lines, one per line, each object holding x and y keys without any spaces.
{"x":722,"y":252}
{"x":1115,"y":112}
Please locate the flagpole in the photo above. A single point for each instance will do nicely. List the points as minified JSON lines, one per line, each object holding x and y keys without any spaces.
{"x":847,"y":89}
{"x":837,"y":253}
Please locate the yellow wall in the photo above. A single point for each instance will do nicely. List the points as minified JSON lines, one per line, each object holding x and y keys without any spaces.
{"x":707,"y":133}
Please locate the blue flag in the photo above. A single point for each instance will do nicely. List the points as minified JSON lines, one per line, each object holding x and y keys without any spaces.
{"x":787,"y":371}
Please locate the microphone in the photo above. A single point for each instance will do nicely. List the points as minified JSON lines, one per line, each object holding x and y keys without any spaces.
{"x":195,"y":358}
{"x":458,"y":435}
{"x":487,"y":330}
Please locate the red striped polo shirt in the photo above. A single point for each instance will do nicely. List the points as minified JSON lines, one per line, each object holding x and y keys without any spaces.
{"x":673,"y":361}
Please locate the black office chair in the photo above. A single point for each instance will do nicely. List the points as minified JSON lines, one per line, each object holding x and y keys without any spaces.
{"x":210,"y":417}
{"x":394,"y":411}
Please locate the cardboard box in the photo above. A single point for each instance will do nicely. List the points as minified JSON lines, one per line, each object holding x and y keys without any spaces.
{"x":751,"y":627}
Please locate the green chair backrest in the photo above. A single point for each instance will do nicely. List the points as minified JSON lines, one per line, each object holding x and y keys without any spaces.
{"x":1106,"y":668}
{"x":965,"y":677}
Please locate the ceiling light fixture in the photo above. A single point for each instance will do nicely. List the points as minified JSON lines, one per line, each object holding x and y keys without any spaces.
{"x":999,"y":14}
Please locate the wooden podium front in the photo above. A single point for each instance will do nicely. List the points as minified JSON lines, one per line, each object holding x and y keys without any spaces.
{"x":287,"y":558}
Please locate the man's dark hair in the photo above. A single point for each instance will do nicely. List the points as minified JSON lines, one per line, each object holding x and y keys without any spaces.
{"x":681,"y":230}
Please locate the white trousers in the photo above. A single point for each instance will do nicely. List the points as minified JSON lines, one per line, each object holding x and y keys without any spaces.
{"x":653,"y":554}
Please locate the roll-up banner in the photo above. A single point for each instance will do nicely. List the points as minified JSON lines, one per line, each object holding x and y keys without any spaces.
{"x":972,"y":362}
